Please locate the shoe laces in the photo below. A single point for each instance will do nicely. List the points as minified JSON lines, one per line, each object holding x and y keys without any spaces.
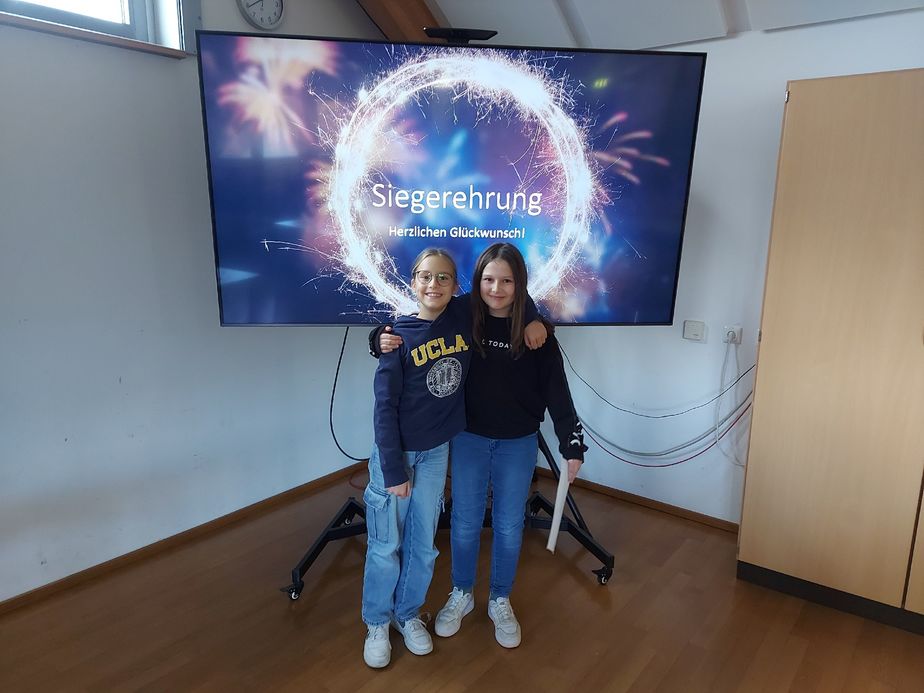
{"x":378,"y":632}
{"x":503,"y":609}
{"x":456,"y":600}
{"x":413,"y":626}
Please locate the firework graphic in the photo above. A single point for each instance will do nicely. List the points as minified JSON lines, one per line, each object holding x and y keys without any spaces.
{"x":334,"y":163}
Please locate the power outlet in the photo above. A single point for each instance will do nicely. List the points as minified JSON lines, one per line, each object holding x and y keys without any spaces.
{"x":732,"y":334}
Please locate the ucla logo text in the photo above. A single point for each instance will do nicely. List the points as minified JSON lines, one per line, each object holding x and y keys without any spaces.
{"x":435,"y":349}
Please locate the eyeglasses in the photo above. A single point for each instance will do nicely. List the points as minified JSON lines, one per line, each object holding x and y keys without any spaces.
{"x":442,"y":278}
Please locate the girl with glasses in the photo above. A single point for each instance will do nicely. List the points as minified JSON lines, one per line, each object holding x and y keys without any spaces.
{"x":419,"y":407}
{"x":507,"y":392}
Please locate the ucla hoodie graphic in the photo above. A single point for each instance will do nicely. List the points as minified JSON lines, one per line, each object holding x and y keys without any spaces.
{"x":419,"y":388}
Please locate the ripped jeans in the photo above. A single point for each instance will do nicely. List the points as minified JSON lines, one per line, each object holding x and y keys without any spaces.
{"x":400,"y":553}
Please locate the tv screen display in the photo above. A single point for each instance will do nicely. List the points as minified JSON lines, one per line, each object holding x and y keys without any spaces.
{"x":333,"y":163}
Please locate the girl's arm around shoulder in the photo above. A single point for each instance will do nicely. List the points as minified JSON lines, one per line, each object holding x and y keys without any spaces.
{"x":537,"y":328}
{"x":383,"y":340}
{"x":375,"y":349}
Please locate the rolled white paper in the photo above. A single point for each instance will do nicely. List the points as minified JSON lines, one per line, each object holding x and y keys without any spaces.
{"x":560,"y":495}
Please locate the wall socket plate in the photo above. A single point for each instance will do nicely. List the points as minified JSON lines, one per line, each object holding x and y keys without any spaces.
{"x":732,"y":334}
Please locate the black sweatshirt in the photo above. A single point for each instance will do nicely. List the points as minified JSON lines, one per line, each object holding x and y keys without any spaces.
{"x":507,"y":397}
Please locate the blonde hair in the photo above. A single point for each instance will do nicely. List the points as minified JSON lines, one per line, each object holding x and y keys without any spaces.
{"x":438,"y":252}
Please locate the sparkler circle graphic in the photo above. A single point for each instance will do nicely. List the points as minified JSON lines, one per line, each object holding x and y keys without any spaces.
{"x":490,"y":78}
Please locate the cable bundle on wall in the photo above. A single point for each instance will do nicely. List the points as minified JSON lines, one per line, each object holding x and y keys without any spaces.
{"x":687,"y":450}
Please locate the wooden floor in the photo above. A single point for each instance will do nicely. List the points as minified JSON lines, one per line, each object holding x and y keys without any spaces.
{"x":208,"y":616}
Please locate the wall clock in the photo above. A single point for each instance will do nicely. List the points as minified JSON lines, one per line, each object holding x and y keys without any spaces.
{"x":263,"y":14}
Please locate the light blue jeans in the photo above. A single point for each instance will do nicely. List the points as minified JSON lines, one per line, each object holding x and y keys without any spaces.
{"x":400,"y":553}
{"x":507,"y":465}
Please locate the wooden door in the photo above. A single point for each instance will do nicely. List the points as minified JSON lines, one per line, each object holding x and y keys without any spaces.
{"x":837,"y":439}
{"x":915,"y":597}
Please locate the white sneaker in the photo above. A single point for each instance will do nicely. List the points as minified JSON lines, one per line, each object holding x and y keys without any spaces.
{"x":506,"y":626}
{"x":377,"y":649}
{"x":415,"y":634}
{"x":449,"y":618}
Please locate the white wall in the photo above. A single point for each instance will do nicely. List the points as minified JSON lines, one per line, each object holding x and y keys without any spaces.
{"x":722,"y":270}
{"x":127,"y":415}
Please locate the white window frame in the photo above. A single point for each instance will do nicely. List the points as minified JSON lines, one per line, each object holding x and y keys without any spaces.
{"x":167,"y":23}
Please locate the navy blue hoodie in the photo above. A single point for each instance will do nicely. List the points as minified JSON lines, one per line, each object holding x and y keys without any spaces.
{"x":419,"y":393}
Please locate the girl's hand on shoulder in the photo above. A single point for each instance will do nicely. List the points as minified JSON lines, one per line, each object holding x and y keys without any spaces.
{"x":389,"y":341}
{"x":574,"y":466}
{"x":535,"y":334}
{"x":401,"y":490}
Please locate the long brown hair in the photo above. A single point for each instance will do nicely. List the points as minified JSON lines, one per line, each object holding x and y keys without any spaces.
{"x":509,"y":254}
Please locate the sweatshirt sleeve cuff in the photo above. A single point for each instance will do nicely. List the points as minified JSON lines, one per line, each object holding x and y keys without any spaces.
{"x":574,"y":448}
{"x":394,"y":477}
{"x":374,"y":341}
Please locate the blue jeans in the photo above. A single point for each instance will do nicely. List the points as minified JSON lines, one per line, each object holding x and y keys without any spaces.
{"x":507,"y":465}
{"x":400,"y":553}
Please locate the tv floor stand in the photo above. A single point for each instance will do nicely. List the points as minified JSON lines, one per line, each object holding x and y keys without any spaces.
{"x":350,"y":521}
{"x":576,"y":527}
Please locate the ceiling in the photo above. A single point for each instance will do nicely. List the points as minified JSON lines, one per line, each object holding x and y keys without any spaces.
{"x":625,"y":24}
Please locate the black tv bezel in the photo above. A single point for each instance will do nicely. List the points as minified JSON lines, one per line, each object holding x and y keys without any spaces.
{"x":470,"y":46}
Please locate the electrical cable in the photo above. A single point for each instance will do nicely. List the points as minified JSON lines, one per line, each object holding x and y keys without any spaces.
{"x":733,"y":458}
{"x":596,"y":436}
{"x":677,"y":448}
{"x":649,"y":416}
{"x":671,"y":464}
{"x":592,"y":432}
{"x":333,"y":392}
{"x":718,"y":402}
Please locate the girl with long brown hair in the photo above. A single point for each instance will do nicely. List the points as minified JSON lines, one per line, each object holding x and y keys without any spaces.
{"x":506,"y":395}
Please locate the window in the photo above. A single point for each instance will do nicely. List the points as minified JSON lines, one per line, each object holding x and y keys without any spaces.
{"x":110,"y":10}
{"x":160,"y":22}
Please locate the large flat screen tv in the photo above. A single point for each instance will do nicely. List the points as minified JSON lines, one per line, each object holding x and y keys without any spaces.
{"x":333,"y":163}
